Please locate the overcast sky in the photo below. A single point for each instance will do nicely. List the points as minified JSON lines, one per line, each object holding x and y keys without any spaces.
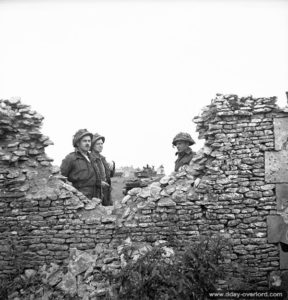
{"x":138,"y":71}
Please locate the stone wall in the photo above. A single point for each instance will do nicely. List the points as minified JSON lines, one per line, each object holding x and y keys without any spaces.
{"x":226,"y":189}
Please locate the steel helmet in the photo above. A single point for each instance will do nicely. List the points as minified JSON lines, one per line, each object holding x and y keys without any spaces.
{"x":183,"y":136}
{"x":97,"y":137}
{"x":79,"y":135}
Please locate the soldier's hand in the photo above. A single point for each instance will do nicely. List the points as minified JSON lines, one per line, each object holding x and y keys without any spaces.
{"x":111,"y":165}
{"x":104,"y":184}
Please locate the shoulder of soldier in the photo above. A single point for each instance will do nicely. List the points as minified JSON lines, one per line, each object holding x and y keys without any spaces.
{"x":67,"y":163}
{"x":93,"y":156}
{"x":71,"y":156}
{"x":189,"y":152}
{"x":102,"y":157}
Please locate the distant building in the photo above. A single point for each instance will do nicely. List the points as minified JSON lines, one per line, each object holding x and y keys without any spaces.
{"x":160,"y":170}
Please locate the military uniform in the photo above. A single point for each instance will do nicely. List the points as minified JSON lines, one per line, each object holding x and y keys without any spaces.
{"x":82,"y":174}
{"x":80,"y":170}
{"x":105,"y":172}
{"x":184,"y":157}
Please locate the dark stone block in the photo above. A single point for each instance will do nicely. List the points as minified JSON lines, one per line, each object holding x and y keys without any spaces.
{"x":283,"y":256}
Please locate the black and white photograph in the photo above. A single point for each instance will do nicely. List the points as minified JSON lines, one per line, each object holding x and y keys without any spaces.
{"x":143,"y":149}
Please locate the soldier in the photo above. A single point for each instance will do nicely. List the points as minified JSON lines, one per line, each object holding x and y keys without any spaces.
{"x":78,"y":167}
{"x":182,"y":141}
{"x":106,"y":169}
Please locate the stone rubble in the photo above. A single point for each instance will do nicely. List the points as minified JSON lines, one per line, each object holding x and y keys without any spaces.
{"x":83,"y":274}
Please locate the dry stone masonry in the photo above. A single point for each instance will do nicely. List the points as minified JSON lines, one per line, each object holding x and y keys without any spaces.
{"x":236,"y":185}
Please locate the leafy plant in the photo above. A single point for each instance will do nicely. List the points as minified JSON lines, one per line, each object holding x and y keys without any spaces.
{"x":19,"y":283}
{"x":16,"y":282}
{"x":188,"y":274}
{"x":201,"y":264}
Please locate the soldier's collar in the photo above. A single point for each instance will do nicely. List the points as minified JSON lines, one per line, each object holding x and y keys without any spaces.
{"x":187,"y":151}
{"x":97,"y":154}
{"x":82,"y":153}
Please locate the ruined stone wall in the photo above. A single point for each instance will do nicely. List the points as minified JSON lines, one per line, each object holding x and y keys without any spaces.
{"x":224,"y":190}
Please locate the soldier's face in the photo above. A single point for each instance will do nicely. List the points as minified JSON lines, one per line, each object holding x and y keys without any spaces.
{"x":85,"y":143}
{"x":98,"y":146}
{"x":182,"y":146}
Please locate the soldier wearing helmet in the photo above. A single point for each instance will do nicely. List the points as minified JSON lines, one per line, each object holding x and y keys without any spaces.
{"x":106,"y":169}
{"x":78,"y":167}
{"x":182,"y":141}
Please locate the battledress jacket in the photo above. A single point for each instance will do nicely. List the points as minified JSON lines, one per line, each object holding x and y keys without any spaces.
{"x":184,"y":158}
{"x":83,"y":175}
{"x":96,"y":157}
{"x":100,"y":162}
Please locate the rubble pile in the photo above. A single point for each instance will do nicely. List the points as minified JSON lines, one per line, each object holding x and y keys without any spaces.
{"x":224,"y":189}
{"x":85,"y":274}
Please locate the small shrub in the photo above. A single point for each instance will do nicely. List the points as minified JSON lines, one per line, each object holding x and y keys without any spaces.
{"x":241,"y":278}
{"x":4,"y":287}
{"x":17,"y":281}
{"x":201,"y":264}
{"x":188,"y":274}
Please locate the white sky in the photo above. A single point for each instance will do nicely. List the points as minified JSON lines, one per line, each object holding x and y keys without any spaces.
{"x":138,"y":71}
